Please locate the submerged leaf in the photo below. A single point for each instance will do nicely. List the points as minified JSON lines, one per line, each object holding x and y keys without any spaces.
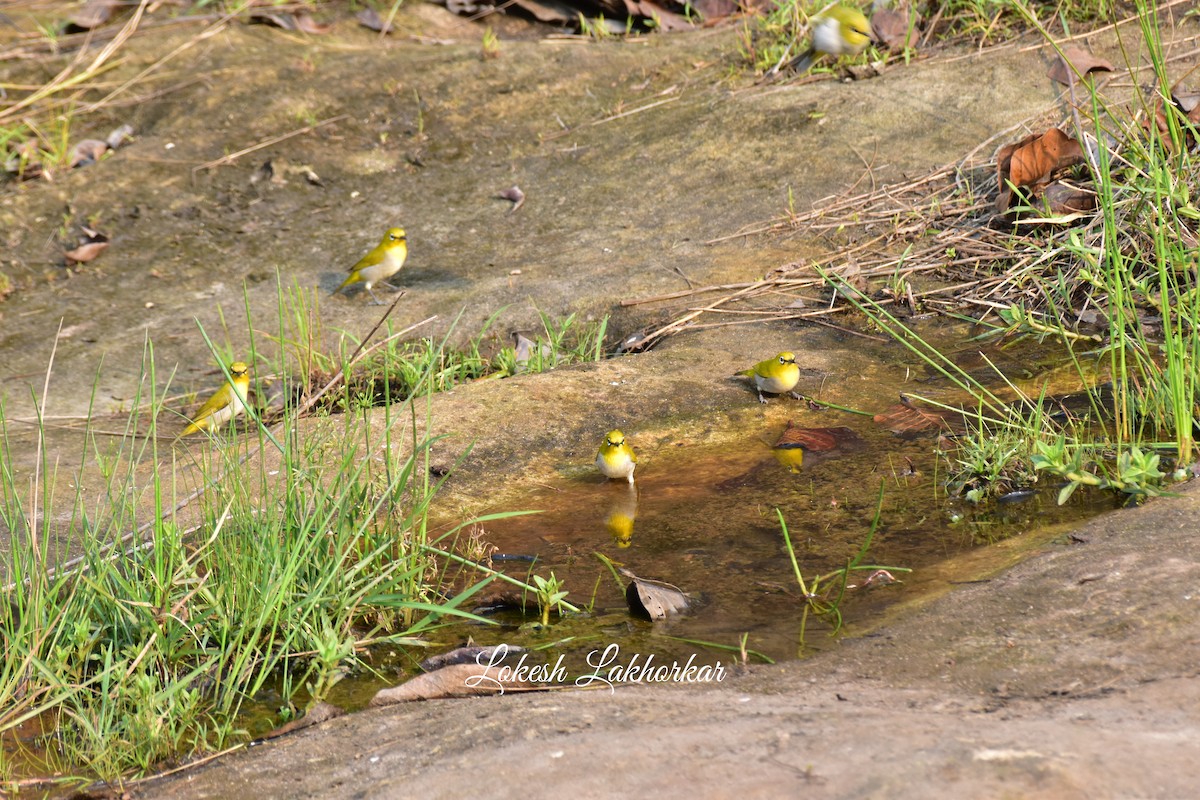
{"x":456,"y":680}
{"x":471,"y":654}
{"x":321,"y":712}
{"x":905,"y":419}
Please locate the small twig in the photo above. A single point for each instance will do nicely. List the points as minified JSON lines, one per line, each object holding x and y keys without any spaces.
{"x":229,"y":159}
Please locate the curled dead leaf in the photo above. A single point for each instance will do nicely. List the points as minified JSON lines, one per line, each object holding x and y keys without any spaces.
{"x":87,"y":152}
{"x":92,"y":14}
{"x":470,"y":654}
{"x":654,"y":600}
{"x":895,"y":27}
{"x":93,"y":245}
{"x":300,"y":21}
{"x":369,"y":18}
{"x":1063,"y":199}
{"x":456,"y":680}
{"x":1077,"y":62}
{"x":1031,"y":161}
{"x":514,"y":194}
{"x":321,"y":712}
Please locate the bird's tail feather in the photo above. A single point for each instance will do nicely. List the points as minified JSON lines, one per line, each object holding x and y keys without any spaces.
{"x":802,"y":62}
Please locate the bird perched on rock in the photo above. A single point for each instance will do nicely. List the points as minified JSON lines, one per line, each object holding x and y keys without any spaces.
{"x":775,"y":375}
{"x":837,"y":30}
{"x":226,"y":403}
{"x":616,"y":459}
{"x":384,"y":261}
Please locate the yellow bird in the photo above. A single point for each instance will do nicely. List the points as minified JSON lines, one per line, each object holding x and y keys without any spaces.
{"x":616,"y":459}
{"x":225,"y":404}
{"x":384,"y":261}
{"x":836,"y":31}
{"x":775,"y":375}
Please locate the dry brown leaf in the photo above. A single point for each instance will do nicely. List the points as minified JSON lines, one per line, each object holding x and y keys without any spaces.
{"x":514,"y":194}
{"x":818,"y":440}
{"x":305,"y":23}
{"x":1081,"y":63}
{"x":891,"y":27}
{"x":300,"y":21}
{"x":1030,"y":162}
{"x":93,"y":14}
{"x":471,"y":654}
{"x":369,"y":18}
{"x":85,"y":252}
{"x":550,"y":12}
{"x":456,"y":680}
{"x":1064,"y":199}
{"x":321,"y":712}
{"x":654,"y":600}
{"x":87,"y":152}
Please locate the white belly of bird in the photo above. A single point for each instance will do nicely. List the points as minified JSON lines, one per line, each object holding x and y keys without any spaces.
{"x":773,"y":385}
{"x":221,"y":416}
{"x":382,"y":271}
{"x":619,"y":465}
{"x":827,"y":38}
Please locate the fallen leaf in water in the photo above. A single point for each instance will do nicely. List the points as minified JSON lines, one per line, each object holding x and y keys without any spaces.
{"x":321,"y":712}
{"x":654,"y":599}
{"x":795,"y":443}
{"x":514,"y":194}
{"x":1077,"y":62}
{"x":892,"y":27}
{"x":93,"y":14}
{"x":905,"y":419}
{"x":471,"y":654}
{"x":456,"y":680}
{"x":1030,"y":162}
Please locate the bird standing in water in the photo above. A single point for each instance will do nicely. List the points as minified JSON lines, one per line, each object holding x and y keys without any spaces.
{"x":616,"y":459}
{"x":384,"y":261}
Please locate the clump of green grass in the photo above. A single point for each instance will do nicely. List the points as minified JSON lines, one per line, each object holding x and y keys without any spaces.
{"x":297,"y":549}
{"x":824,"y":594}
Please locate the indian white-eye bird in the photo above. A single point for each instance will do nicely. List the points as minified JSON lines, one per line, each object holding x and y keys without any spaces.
{"x":225,"y":404}
{"x":775,"y":375}
{"x":384,"y":261}
{"x":836,"y":31}
{"x":616,"y":459}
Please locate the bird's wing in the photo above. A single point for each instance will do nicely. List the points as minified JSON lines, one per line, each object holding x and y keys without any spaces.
{"x":369,"y":260}
{"x":219,"y":400}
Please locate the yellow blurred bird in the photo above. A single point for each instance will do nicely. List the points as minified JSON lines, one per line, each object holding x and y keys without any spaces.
{"x":836,"y":31}
{"x":616,"y":459}
{"x":225,"y":404}
{"x":384,"y":261}
{"x":775,"y":375}
{"x":789,"y":448}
